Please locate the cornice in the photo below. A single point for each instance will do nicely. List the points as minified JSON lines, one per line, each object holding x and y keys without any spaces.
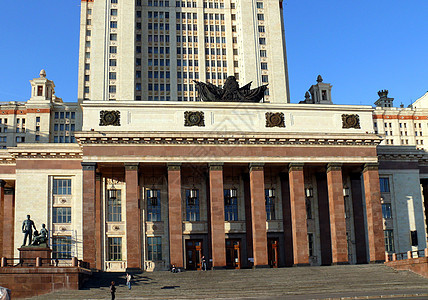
{"x":203,"y":138}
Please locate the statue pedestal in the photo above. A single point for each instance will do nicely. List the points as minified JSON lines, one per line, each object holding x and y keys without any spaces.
{"x":29,"y":254}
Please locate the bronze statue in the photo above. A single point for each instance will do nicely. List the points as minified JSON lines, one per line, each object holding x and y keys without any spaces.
{"x":27,"y":228}
{"x":231,"y":92}
{"x":42,"y":237}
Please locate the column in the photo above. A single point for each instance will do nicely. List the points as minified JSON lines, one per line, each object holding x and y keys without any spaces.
{"x":133,"y":220}
{"x":339,"y":244}
{"x":9,"y":222}
{"x":175,"y":216}
{"x":98,"y":224}
{"x":298,"y":214}
{"x":218,"y":238}
{"x":374,"y":213}
{"x":88,"y":198}
{"x":2,"y":184}
{"x":258,"y":215}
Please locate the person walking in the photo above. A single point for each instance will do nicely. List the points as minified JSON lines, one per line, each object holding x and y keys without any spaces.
{"x":112,"y":291}
{"x":204,"y":263}
{"x":128,"y":280}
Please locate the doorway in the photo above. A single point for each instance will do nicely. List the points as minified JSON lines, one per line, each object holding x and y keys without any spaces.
{"x":193,"y":254}
{"x":273,"y":252}
{"x":233,"y":253}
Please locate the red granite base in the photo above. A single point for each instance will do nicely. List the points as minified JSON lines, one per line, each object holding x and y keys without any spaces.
{"x":28,"y":256}
{"x":416,"y":265}
{"x":27,"y":282}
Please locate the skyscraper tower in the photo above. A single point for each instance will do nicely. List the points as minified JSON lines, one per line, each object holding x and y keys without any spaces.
{"x":154,"y":49}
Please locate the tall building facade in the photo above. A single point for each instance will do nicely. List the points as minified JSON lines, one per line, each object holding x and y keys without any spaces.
{"x":152,"y":50}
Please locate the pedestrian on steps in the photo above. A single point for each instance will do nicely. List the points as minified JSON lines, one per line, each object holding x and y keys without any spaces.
{"x":112,"y":291}
{"x":128,"y":280}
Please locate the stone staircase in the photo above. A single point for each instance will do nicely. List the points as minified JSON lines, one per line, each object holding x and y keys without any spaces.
{"x":289,"y":283}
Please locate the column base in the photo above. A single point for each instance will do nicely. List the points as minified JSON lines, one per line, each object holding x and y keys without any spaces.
{"x":340,"y":263}
{"x":381,"y":261}
{"x":218,"y":268}
{"x":134,"y":270}
{"x":261,"y":267}
{"x":302,"y":265}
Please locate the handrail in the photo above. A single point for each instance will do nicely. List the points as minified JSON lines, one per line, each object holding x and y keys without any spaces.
{"x":406,"y":255}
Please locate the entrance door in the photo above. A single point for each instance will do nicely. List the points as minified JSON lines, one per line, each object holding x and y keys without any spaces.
{"x":273,"y":252}
{"x":193,"y":254}
{"x":233,"y":254}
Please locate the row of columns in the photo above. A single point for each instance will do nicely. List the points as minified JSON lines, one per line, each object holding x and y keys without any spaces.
{"x":92,"y":238}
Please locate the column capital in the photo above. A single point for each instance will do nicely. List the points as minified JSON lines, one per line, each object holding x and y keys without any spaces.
{"x":216,"y":166}
{"x":295,"y":167}
{"x":89,"y":166}
{"x":174,"y":166}
{"x":371,"y":167}
{"x":131,"y":166}
{"x":334,"y":167}
{"x":256,"y":166}
{"x":2,"y":183}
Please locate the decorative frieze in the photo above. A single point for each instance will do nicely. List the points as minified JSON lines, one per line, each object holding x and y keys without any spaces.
{"x":109,"y":118}
{"x":242,"y":140}
{"x":351,"y":121}
{"x":275,"y":119}
{"x":194,"y":118}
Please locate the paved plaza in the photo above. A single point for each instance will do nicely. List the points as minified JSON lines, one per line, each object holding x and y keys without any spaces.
{"x":284,"y":283}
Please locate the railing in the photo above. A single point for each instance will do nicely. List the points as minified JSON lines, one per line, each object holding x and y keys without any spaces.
{"x":43,"y":262}
{"x":406,"y":255}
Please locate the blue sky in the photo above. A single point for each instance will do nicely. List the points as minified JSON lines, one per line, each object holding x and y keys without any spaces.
{"x":359,"y":47}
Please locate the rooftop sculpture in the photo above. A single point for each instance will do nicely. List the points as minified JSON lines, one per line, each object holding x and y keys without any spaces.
{"x":231,"y":92}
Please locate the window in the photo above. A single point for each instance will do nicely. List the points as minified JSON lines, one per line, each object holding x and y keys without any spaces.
{"x":61,"y":247}
{"x":264,"y":66}
{"x":112,"y":89}
{"x":113,"y":37}
{"x":114,"y":208}
{"x":389,"y":240}
{"x":113,"y":63}
{"x":113,"y":1}
{"x":39,"y":90}
{"x":259,"y":5}
{"x":260,"y":17}
{"x":153,"y":205}
{"x":261,"y":29}
{"x":37,"y":138}
{"x":113,"y":12}
{"x":114,"y":248}
{"x":61,"y":215}
{"x":73,"y":115}
{"x":62,"y":186}
{"x":270,"y":206}
{"x":311,"y":244}
{"x":414,"y":238}
{"x":262,"y":41}
{"x":265,"y":78}
{"x":113,"y":24}
{"x":384,"y":185}
{"x":308,"y":209}
{"x":230,"y":205}
{"x":154,"y":248}
{"x":112,"y":75}
{"x":192,"y":206}
{"x":386,"y":211}
{"x":113,"y":49}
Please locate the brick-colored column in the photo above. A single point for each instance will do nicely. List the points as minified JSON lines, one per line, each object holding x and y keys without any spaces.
{"x":98,"y":222}
{"x":298,"y":215}
{"x":175,"y":216}
{"x":2,"y":184}
{"x":89,"y":252}
{"x":374,"y":213}
{"x":336,"y":203}
{"x":8,"y":223}
{"x":218,"y":238}
{"x":133,"y":219}
{"x":258,"y":215}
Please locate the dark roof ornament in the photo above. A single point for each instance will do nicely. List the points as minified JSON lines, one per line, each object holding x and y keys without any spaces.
{"x":383,"y":93}
{"x":231,"y":92}
{"x":319,"y":79}
{"x":307,"y":96}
